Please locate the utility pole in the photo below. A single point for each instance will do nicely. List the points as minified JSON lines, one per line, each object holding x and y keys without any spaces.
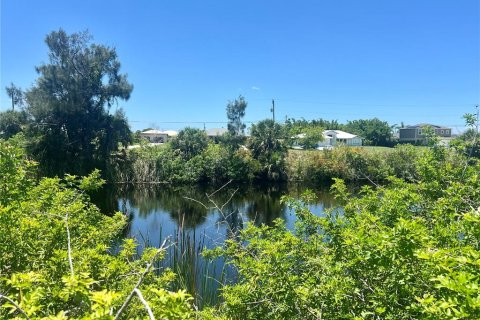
{"x":273,"y":110}
{"x":477,"y":119}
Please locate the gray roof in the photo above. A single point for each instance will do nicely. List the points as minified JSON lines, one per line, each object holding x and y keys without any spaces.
{"x":215,"y":132}
{"x":423,"y":125}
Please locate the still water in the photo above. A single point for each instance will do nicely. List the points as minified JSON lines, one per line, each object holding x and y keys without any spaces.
{"x":198,"y":217}
{"x":158,"y":212}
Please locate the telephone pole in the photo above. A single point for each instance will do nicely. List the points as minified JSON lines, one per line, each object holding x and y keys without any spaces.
{"x":273,"y":110}
{"x":477,"y":119}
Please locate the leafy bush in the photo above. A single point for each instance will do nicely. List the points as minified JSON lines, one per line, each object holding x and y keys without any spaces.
{"x":163,"y":164}
{"x":400,"y":251}
{"x":190,"y":142}
{"x":55,"y":253}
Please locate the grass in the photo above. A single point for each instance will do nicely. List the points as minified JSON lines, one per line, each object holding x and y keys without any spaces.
{"x":202,"y":278}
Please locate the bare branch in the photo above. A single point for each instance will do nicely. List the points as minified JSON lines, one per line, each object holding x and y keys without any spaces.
{"x":259,"y":301}
{"x":70,"y":261}
{"x":368,"y":178}
{"x":16,"y":305}
{"x":199,"y":202}
{"x":140,"y":280}
{"x":145,"y":303}
{"x":226,"y":184}
{"x":229,"y":199}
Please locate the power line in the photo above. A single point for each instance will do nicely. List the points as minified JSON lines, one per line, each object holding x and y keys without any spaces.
{"x":367,"y":104}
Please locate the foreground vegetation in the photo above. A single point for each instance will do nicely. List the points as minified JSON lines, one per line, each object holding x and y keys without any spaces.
{"x":399,"y":251}
{"x":56,"y":258}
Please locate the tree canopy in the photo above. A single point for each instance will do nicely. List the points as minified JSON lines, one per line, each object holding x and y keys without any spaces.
{"x":190,"y":142}
{"x":11,"y":123}
{"x":374,"y":131}
{"x":267,"y":146}
{"x":235,"y":114}
{"x":15,"y":94}
{"x":73,"y":130}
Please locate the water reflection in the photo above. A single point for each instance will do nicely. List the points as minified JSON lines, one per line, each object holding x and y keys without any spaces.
{"x":198,"y":217}
{"x":158,"y":211}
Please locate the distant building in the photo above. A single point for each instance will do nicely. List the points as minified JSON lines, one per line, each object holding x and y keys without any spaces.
{"x":416,"y":133}
{"x":215,"y":132}
{"x":338,"y":137}
{"x":157,"y":136}
{"x":332,"y":138}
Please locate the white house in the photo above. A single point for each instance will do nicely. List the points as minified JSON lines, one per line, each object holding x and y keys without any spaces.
{"x":333,"y":138}
{"x":339,"y":137}
{"x":157,"y":136}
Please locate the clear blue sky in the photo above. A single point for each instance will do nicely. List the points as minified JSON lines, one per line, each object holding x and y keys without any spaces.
{"x":398,"y":60}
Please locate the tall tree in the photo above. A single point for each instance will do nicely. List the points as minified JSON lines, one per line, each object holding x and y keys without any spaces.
{"x":73,"y":130}
{"x":235,"y":114}
{"x":16,"y":95}
{"x":267,"y":146}
{"x":374,"y":131}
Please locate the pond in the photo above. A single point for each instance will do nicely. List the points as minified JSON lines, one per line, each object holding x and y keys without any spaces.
{"x":198,"y":217}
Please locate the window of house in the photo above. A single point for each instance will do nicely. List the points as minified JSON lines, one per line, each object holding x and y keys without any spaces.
{"x":442,"y":131}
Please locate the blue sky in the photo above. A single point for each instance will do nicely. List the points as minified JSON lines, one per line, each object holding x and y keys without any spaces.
{"x":408,"y":61}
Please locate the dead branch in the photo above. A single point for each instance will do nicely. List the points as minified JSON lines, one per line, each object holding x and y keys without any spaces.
{"x":69,"y":248}
{"x":16,"y":305}
{"x":145,"y":303}
{"x":226,"y":184}
{"x":140,"y":280}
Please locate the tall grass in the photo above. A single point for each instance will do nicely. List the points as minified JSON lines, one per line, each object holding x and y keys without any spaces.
{"x":201,"y":277}
{"x":353,"y":163}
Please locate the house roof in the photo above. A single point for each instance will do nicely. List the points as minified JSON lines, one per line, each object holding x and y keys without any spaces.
{"x":155,"y":132}
{"x":152,"y":131}
{"x":215,"y":132}
{"x":171,"y":132}
{"x":423,"y":125}
{"x":341,"y":134}
{"x":328,"y":134}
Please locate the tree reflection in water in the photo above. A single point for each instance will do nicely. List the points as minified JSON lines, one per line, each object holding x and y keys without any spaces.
{"x":190,"y":216}
{"x":194,"y":207}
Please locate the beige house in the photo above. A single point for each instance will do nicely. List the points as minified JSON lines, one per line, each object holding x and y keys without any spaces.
{"x":157,"y":136}
{"x":215,"y":132}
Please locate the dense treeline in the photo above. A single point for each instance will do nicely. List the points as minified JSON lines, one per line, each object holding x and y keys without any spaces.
{"x":216,"y":163}
{"x":374,"y":132}
{"x":66,"y":120}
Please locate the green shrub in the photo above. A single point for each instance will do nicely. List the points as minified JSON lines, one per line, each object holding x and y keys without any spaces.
{"x":400,"y":251}
{"x":55,"y":252}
